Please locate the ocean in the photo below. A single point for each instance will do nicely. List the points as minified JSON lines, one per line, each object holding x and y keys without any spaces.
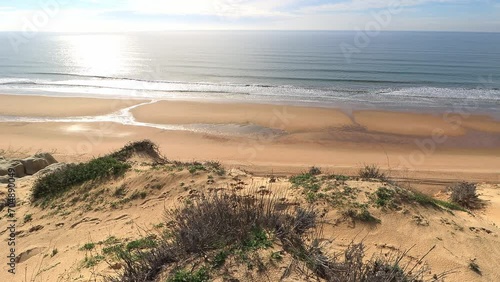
{"x":389,"y":70}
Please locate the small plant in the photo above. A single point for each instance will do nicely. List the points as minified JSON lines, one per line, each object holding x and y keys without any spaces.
{"x":276,"y":256}
{"x":87,"y":247}
{"x":464,"y":194}
{"x":384,"y":196}
{"x":194,"y":167}
{"x":111,"y":240}
{"x":220,"y":259}
{"x":120,"y":192}
{"x":157,"y":186}
{"x":201,"y":275}
{"x":92,"y":261}
{"x":54,"y":252}
{"x":159,"y":225}
{"x":314,"y":171}
{"x":338,"y":177}
{"x":258,"y":239}
{"x":372,"y":172}
{"x":362,"y":215}
{"x":143,"y":243}
{"x":115,"y":249}
{"x":28,"y":217}
{"x":215,"y":167}
{"x":136,"y":195}
{"x":311,"y":197}
{"x":475,"y":267}
{"x":307,"y":181}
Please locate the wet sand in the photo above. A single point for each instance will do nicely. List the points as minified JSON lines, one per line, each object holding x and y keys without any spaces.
{"x":405,"y":143}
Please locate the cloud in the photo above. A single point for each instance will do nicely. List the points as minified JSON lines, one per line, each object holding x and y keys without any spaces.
{"x":221,"y":8}
{"x":361,"y":5}
{"x":245,"y":14}
{"x":6,"y":9}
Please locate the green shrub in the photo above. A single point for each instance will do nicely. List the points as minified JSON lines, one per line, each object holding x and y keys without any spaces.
{"x":194,"y":167}
{"x":201,"y":275}
{"x":216,"y":223}
{"x":220,"y":259}
{"x":120,"y":192}
{"x":314,"y":171}
{"x":306,"y":181}
{"x":144,"y":147}
{"x":215,"y":167}
{"x":87,"y":247}
{"x":384,"y":196}
{"x":362,"y":215}
{"x":426,"y":200}
{"x":277,"y":256}
{"x":92,"y":261}
{"x":53,"y":184}
{"x":28,"y":217}
{"x":338,"y":177}
{"x":143,"y":243}
{"x":115,"y":249}
{"x":257,"y":239}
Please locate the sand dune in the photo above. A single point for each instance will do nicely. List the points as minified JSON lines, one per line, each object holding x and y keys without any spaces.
{"x":57,"y":251}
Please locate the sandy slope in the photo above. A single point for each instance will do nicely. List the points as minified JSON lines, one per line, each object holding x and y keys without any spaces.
{"x":79,"y":218}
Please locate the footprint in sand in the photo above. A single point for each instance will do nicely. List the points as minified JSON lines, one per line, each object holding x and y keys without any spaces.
{"x":84,"y":220}
{"x":480,"y":230}
{"x":24,"y":256}
{"x":118,"y":218}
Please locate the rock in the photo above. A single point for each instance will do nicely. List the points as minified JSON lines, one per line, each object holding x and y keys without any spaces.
{"x":19,"y":168}
{"x":4,"y":179}
{"x":33,"y":165}
{"x":3,"y":203}
{"x":28,"y":166}
{"x":50,"y":159}
{"x":15,"y":164}
{"x":51,"y":168}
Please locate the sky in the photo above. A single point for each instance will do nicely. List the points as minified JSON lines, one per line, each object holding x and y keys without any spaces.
{"x":144,"y":15}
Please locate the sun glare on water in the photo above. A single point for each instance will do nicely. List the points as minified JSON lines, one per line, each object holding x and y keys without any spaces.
{"x":97,"y":54}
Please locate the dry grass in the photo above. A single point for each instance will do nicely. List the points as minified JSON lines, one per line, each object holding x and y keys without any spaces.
{"x":217,"y":222}
{"x":464,"y":194}
{"x":372,"y":172}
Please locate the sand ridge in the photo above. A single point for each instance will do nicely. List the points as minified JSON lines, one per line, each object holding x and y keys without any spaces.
{"x":51,"y":244}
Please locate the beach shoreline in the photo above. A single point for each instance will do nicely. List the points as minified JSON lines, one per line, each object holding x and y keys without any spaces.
{"x":330,"y":138}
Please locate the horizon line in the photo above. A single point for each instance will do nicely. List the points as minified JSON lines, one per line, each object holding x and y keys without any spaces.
{"x":251,"y":30}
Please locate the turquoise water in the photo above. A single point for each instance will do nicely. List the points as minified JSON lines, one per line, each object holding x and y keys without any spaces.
{"x":406,"y":70}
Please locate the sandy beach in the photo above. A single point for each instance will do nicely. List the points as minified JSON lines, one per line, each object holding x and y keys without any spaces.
{"x":41,"y":106}
{"x":303,"y":136}
{"x":427,"y":152}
